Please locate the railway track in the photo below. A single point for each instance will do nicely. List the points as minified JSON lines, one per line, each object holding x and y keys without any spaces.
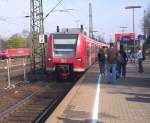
{"x":32,"y":102}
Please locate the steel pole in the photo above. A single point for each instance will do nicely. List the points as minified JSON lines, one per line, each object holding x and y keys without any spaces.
{"x":134,"y":43}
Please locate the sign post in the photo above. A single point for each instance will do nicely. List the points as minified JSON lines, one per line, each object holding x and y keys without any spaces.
{"x":8,"y":74}
{"x":24,"y":52}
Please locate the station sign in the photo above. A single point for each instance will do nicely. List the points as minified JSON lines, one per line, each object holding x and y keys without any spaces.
{"x":141,"y":37}
{"x":124,"y":37}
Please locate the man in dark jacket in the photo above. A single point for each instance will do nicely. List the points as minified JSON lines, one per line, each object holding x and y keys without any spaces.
{"x":101,"y":60}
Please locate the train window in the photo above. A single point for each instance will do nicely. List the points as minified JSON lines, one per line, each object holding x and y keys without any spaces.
{"x":64,"y":41}
{"x":64,"y":53}
{"x":64,"y":48}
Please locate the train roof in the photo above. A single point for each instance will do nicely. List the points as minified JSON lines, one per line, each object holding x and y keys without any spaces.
{"x":70,"y":31}
{"x":60,"y":35}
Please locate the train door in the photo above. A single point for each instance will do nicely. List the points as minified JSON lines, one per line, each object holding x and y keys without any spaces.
{"x":88,"y":53}
{"x":93,"y":53}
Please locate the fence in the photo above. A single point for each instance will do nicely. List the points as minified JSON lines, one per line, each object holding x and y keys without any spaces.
{"x":11,"y":68}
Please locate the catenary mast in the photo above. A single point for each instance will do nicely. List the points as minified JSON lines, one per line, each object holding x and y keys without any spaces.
{"x":90,"y":21}
{"x":36,"y":29}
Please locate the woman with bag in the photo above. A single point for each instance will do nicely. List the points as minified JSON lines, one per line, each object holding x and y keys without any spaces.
{"x":140,"y":58}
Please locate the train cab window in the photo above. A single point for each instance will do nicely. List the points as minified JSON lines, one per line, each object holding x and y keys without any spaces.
{"x":64,"y":46}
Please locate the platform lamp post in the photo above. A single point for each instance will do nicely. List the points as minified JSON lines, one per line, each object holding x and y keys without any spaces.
{"x":133,"y":7}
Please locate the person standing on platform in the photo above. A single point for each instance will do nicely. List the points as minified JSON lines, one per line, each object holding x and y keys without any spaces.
{"x":106,"y":63}
{"x":112,"y":63}
{"x":122,"y":62}
{"x":140,"y":58}
{"x":101,"y":61}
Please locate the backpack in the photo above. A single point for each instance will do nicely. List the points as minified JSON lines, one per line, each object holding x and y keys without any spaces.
{"x":143,"y":56}
{"x":120,"y":58}
{"x":101,"y":57}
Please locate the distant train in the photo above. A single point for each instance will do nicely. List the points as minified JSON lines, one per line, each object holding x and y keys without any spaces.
{"x":68,"y":53}
{"x":19,"y":52}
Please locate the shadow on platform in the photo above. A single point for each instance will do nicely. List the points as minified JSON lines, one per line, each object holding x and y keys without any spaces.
{"x":139,"y":99}
{"x":131,"y":81}
{"x":67,"y":120}
{"x":74,"y":116}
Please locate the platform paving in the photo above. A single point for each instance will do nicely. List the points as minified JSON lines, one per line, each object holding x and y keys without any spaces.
{"x":128,"y":101}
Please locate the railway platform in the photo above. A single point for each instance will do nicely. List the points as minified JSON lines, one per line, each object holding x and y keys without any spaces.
{"x":92,"y":100}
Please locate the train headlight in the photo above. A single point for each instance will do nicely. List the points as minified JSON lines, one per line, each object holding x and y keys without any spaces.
{"x":78,"y":59}
{"x":49,"y":59}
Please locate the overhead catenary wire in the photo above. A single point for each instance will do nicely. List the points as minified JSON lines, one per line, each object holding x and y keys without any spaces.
{"x":75,"y":19}
{"x":12,"y":20}
{"x":52,"y":9}
{"x":9,"y":18}
{"x":13,"y":4}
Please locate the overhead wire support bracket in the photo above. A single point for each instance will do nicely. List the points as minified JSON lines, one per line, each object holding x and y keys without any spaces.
{"x":52,"y":9}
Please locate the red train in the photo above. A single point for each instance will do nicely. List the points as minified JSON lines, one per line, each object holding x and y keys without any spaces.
{"x":68,"y":53}
{"x":5,"y":53}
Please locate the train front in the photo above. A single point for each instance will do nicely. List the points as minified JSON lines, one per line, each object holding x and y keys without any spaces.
{"x":61,"y":54}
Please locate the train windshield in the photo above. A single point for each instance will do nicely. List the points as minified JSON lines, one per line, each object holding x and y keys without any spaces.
{"x":65,"y":45}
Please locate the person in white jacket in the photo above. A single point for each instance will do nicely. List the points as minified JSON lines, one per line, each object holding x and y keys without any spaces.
{"x":140,"y":61}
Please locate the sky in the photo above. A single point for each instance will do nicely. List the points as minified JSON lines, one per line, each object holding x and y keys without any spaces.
{"x":108,"y":16}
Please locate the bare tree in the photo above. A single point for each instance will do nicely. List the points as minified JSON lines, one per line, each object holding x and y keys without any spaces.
{"x":25,"y":33}
{"x":2,"y":43}
{"x":146,"y":29}
{"x":146,"y":22}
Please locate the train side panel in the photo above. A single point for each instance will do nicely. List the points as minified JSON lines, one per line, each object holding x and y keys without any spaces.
{"x":91,"y":48}
{"x":80,"y":58}
{"x":49,"y":55}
